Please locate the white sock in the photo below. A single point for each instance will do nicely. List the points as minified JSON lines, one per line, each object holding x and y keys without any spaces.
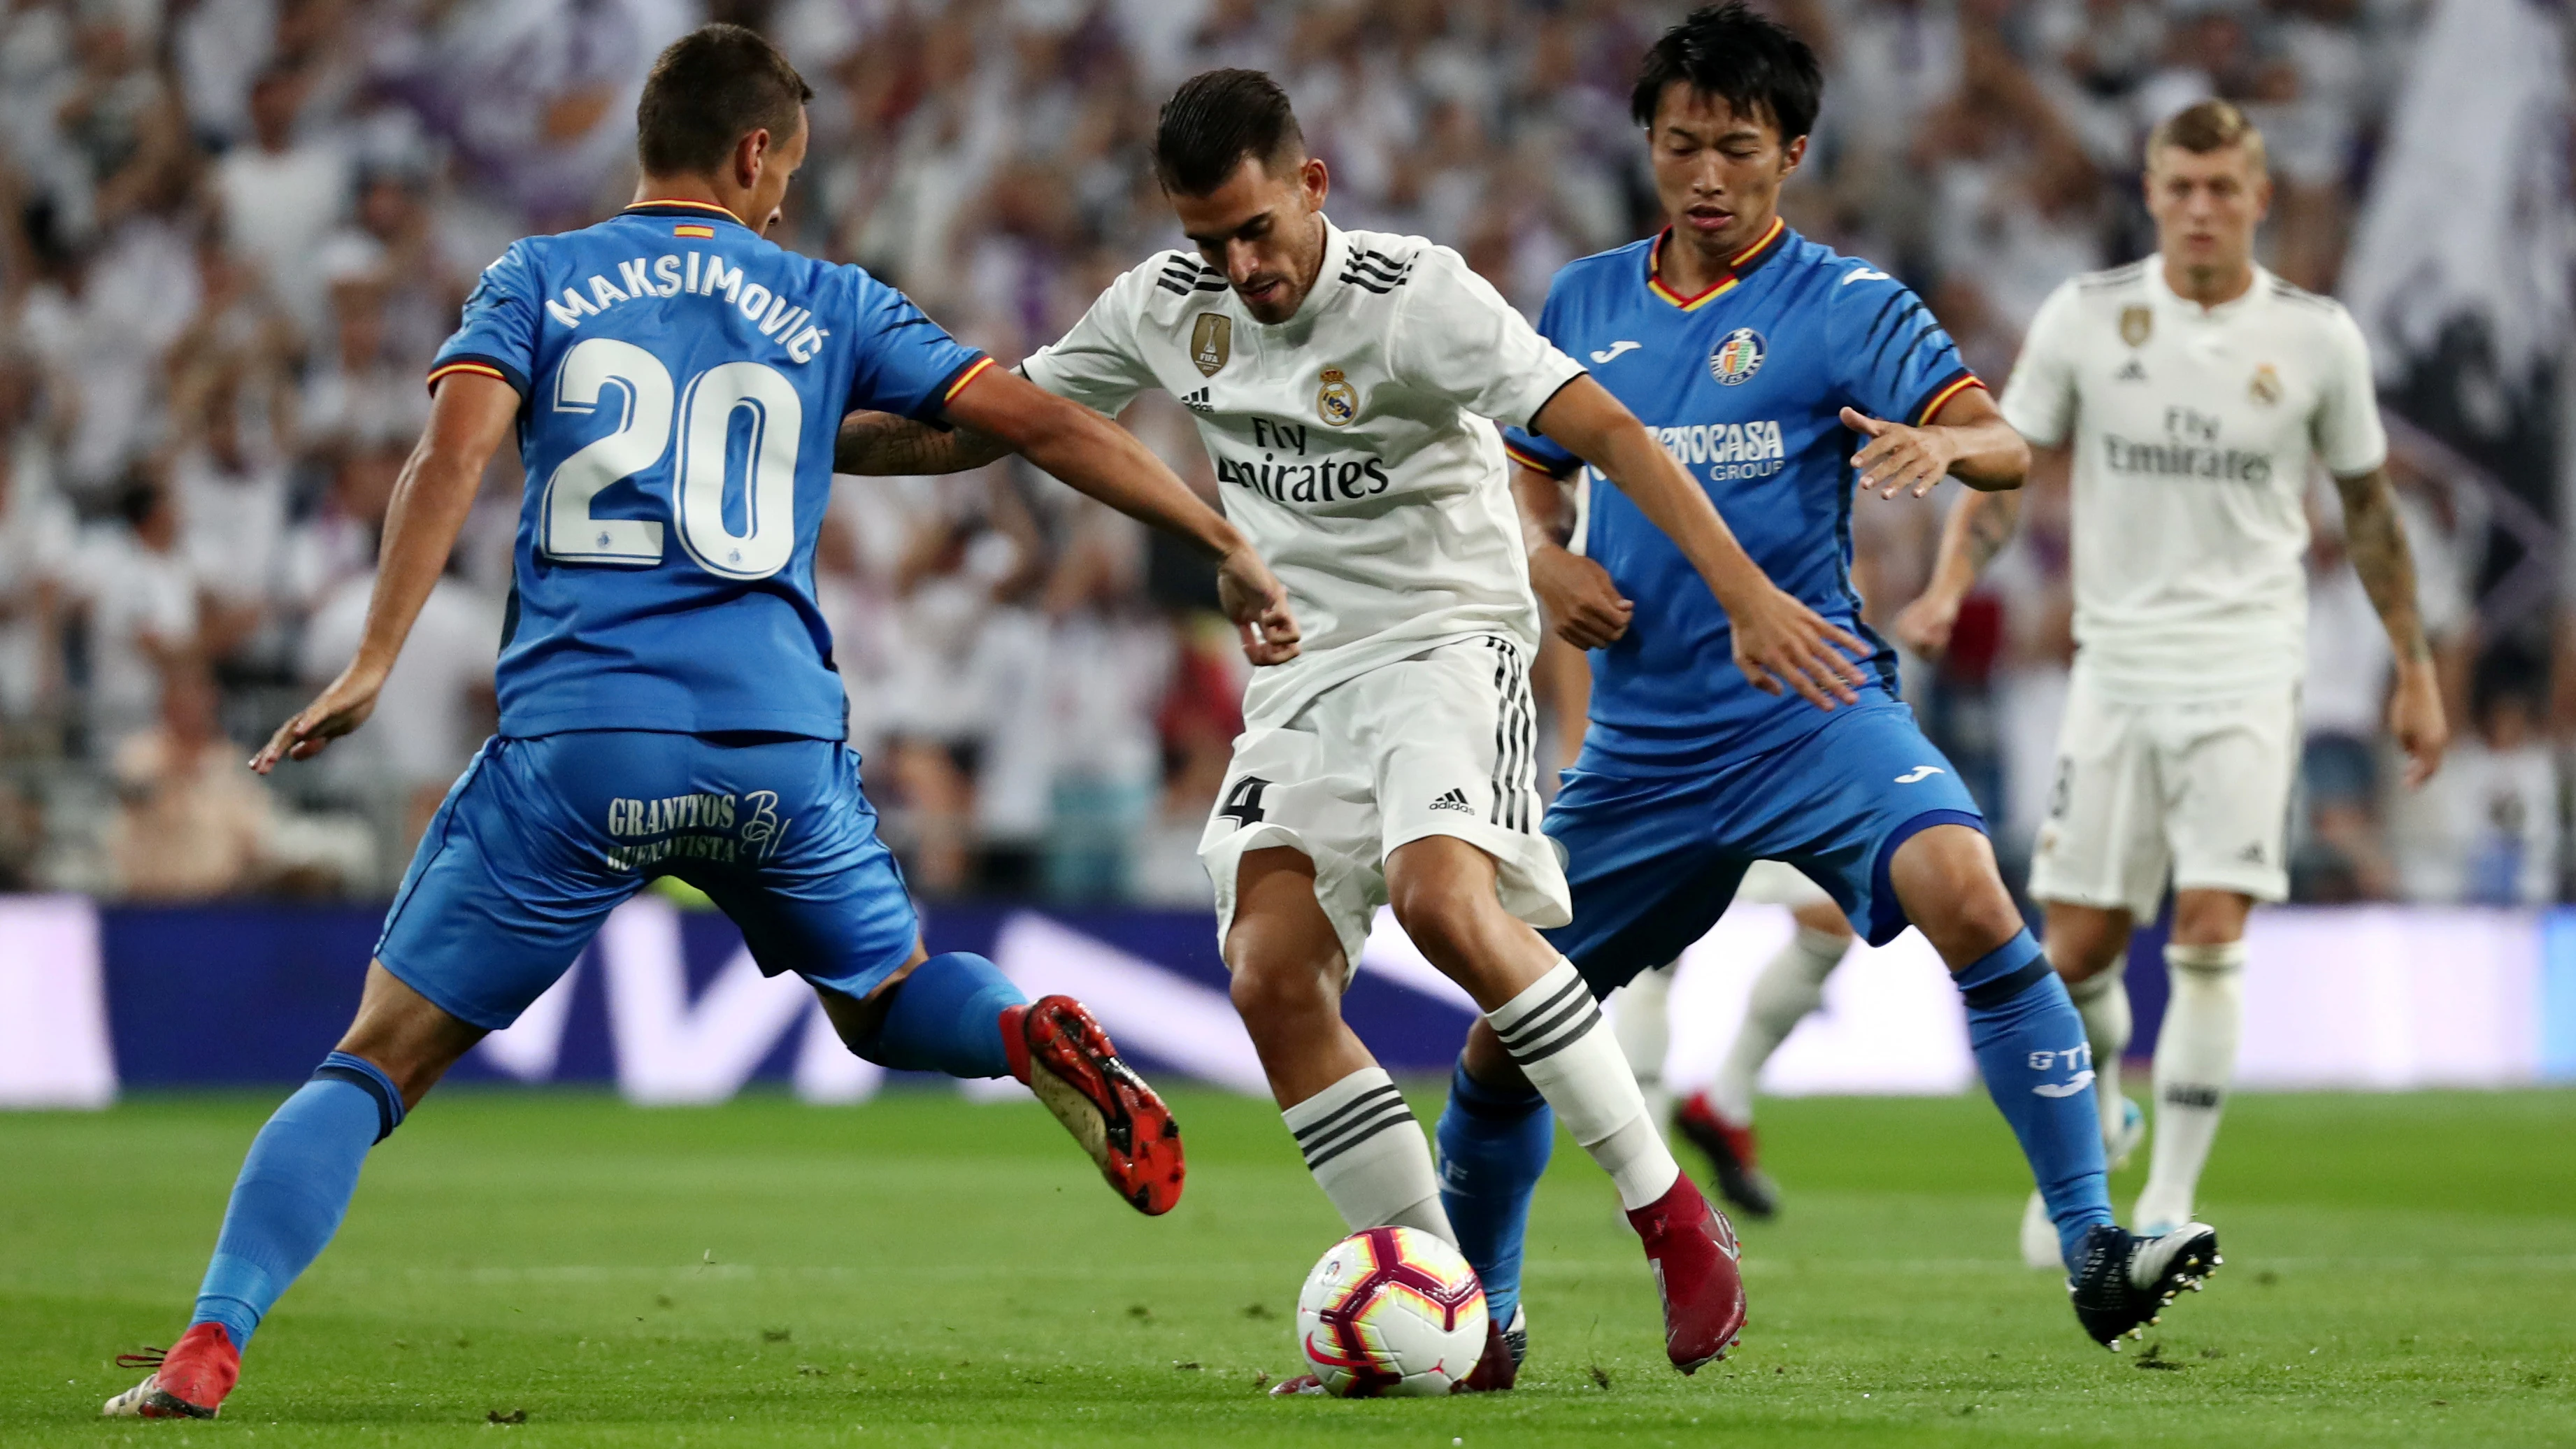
{"x":1552,"y":1032}
{"x":2195,"y":1064}
{"x":1641,"y":1017}
{"x":1369,"y":1156}
{"x":2103,"y":1002}
{"x":1790,"y":987}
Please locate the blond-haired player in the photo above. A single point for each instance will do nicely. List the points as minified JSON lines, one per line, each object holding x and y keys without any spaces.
{"x":2199,"y":393}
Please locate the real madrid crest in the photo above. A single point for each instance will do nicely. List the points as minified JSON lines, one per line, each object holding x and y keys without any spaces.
{"x":2137,"y":324}
{"x":1738,"y":356}
{"x":2266,"y":387}
{"x":1336,"y":401}
{"x":1211,"y":343}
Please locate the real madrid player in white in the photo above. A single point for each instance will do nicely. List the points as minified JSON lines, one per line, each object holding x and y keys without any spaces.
{"x":2198,"y":392}
{"x":1346,"y":385}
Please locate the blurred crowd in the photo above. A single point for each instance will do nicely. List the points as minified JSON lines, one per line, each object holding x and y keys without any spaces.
{"x":237,"y":229}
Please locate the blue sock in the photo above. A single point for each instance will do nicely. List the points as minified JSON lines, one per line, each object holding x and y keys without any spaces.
{"x":1494,"y":1148}
{"x":293,"y":1188}
{"x":947,"y":1017}
{"x":2030,"y":1047}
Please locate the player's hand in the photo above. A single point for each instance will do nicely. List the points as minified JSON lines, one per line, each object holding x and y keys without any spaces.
{"x":1782,"y":644}
{"x":1899,"y":459}
{"x":1580,"y":597}
{"x":1924,"y":626}
{"x":341,"y":708}
{"x":1258,"y":604}
{"x":2415,"y":719}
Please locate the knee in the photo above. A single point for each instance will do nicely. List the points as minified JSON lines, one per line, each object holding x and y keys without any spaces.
{"x":2084,"y":956}
{"x":1825,"y":919}
{"x":2209,"y":918}
{"x":1439,"y":922}
{"x":1268,"y":988}
{"x":1946,"y":880}
{"x":1972,"y":916}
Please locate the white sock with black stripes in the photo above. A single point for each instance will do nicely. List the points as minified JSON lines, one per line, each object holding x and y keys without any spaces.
{"x":1369,"y":1156}
{"x":2195,"y":1065}
{"x":1552,"y":1031}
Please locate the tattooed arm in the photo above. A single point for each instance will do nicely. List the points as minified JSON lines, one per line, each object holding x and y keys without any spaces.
{"x":881,"y":445}
{"x":2377,"y":544}
{"x":1979,"y":527}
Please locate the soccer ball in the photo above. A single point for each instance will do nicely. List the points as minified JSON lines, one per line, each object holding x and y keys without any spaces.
{"x":1391,"y":1311}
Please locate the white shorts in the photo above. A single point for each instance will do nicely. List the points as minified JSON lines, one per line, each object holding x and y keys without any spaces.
{"x":2199,"y":789}
{"x":1778,"y":883}
{"x":1443,"y":743}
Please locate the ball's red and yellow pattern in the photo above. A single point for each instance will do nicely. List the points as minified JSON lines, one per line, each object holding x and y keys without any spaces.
{"x":1391,"y":1312}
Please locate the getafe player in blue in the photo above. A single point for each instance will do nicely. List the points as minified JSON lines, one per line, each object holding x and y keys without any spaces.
{"x":668,"y":701}
{"x":1786,"y":376}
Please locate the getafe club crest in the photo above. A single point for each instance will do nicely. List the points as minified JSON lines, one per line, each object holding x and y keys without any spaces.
{"x":1336,"y":401}
{"x":2266,"y":387}
{"x":1738,"y":356}
{"x":1211,"y":343}
{"x":2137,"y":324}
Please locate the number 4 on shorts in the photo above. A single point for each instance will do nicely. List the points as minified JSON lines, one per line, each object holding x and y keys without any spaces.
{"x":1243,"y":802}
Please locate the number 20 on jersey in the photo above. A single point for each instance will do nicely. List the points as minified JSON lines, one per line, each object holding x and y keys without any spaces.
{"x":704,"y":411}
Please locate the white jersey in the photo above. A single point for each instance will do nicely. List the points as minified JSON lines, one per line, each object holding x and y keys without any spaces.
{"x":1351,"y":442}
{"x":2195,"y":433}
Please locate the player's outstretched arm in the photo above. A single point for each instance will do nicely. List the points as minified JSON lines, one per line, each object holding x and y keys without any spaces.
{"x":1967,"y":440}
{"x":1779,"y":642}
{"x":468,"y":417}
{"x":1579,"y":595}
{"x":1096,"y":456}
{"x":2377,"y":543}
{"x":882,"y":445}
{"x":1979,"y":526}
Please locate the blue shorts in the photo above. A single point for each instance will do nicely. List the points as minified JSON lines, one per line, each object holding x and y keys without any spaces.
{"x":541,"y":838}
{"x":1654,"y":860}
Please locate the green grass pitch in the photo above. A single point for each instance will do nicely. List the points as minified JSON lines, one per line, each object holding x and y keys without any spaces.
{"x":921,"y":1271}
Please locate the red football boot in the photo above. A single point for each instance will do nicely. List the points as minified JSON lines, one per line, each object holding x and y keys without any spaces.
{"x":1500,"y":1368}
{"x":1693,"y":1248}
{"x":187,"y":1382}
{"x":1065,"y":1058}
{"x":1732,"y":1156}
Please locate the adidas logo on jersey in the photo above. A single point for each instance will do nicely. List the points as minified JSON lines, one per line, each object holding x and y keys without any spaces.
{"x":1197,"y":402}
{"x":1456,"y":800}
{"x":2132,"y":371}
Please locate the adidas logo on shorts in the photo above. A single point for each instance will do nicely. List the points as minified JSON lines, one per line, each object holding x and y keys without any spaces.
{"x":1456,"y":799}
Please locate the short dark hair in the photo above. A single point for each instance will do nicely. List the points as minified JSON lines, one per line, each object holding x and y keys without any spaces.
{"x":1758,"y":65}
{"x":1218,"y":120}
{"x":712,"y":87}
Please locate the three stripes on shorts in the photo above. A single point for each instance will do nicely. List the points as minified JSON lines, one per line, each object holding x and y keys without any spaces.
{"x":1515,"y":740}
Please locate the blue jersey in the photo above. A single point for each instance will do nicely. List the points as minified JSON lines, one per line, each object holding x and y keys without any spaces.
{"x":682,"y":381}
{"x":1744,"y":385}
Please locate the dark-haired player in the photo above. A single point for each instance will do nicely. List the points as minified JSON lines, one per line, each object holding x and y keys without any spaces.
{"x":1784,"y":376}
{"x":1342,"y":382}
{"x":668,"y":702}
